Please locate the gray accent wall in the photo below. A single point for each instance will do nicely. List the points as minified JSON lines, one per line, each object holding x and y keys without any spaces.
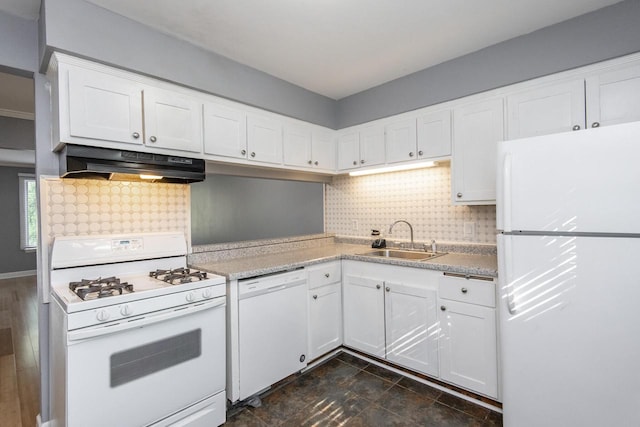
{"x":593,"y":37}
{"x":231,"y":208}
{"x":84,"y":29}
{"x":17,"y":134}
{"x":12,"y":258}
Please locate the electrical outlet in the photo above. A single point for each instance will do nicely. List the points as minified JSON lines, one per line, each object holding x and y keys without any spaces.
{"x":354,"y":225}
{"x":469,"y":229}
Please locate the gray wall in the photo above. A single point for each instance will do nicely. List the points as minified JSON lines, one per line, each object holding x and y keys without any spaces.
{"x":12,"y":258}
{"x":17,"y":134}
{"x":230,"y":208}
{"x":84,"y":29}
{"x":593,"y":37}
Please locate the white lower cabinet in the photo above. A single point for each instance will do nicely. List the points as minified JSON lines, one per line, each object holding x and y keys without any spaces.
{"x":325,"y":309}
{"x":391,"y":312}
{"x":468,"y":337}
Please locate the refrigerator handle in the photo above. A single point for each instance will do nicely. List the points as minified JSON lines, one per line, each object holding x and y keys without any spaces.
{"x":505,"y":266}
{"x":506,"y":193}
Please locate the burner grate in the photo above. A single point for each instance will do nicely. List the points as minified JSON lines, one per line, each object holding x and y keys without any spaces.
{"x":100,"y":287}
{"x":178,"y":276}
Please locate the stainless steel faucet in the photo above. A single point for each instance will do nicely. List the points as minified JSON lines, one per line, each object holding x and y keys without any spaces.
{"x":406,"y":222}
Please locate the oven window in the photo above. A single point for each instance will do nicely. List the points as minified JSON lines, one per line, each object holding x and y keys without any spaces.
{"x":138,"y":362}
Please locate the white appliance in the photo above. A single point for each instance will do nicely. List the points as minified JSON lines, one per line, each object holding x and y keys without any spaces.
{"x":569,"y":277}
{"x":135,"y":331}
{"x":272,"y":329}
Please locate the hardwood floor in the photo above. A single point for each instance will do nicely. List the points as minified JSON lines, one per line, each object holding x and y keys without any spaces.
{"x":19,"y":365}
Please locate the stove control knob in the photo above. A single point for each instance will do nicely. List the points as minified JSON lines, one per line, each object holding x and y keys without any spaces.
{"x":103,"y":315}
{"x":190,"y":297}
{"x":207,"y":293}
{"x":126,"y":310}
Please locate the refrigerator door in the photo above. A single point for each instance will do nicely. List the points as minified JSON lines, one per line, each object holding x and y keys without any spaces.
{"x":570,"y":330}
{"x":585,"y":181}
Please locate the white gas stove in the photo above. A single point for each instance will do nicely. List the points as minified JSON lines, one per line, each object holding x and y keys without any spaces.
{"x":154,"y":329}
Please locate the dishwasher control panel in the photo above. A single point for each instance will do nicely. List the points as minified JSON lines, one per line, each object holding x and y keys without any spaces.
{"x":270,"y":283}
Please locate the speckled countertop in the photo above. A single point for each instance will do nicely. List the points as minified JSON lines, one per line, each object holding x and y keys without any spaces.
{"x":250,"y":266}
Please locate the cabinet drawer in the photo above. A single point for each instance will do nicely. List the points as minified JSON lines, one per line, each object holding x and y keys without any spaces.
{"x":471,"y":289}
{"x":324,"y":274}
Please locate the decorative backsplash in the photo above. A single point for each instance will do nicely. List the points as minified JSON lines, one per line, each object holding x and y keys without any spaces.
{"x":355,"y":205}
{"x":74,"y":207}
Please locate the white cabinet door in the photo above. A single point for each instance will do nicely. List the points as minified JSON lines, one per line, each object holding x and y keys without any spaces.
{"x":614,"y":96}
{"x":545,"y":110}
{"x":434,"y":135}
{"x":372,"y":150}
{"x":364,"y":315}
{"x":225,"y":131}
{"x":323,"y":150}
{"x":104,"y":107}
{"x":264,"y":139}
{"x":296,"y":146}
{"x":412,"y":327}
{"x":468,"y":353}
{"x":477,"y":129}
{"x":325,"y":319}
{"x":349,"y":150}
{"x":172,"y":120}
{"x":400,"y":141}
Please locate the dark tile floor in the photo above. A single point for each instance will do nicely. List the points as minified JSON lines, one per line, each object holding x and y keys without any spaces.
{"x":347,"y":391}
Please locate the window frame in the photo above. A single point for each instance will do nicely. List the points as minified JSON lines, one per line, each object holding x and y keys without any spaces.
{"x":23,"y":184}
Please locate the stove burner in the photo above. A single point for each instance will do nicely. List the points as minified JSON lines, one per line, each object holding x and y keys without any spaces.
{"x":100,"y":287}
{"x":178,"y":276}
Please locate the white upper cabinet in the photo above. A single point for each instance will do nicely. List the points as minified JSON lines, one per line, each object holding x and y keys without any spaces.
{"x":434,"y":135}
{"x":349,"y":150}
{"x":264,"y":139}
{"x":361,"y":147}
{"x":323,"y":150}
{"x":400,"y":141}
{"x":225,"y":131}
{"x":614,"y":96}
{"x":309,"y":147}
{"x":172,"y":120}
{"x":103,"y":107}
{"x":477,"y":129}
{"x":549,"y":109}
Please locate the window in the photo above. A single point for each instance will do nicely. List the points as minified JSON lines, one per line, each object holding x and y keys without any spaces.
{"x":28,"y":212}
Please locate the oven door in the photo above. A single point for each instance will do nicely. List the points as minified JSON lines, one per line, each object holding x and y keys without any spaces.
{"x":137,"y":373}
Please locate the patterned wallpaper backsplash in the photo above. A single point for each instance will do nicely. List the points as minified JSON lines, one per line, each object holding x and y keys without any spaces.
{"x":77,"y":207}
{"x":355,"y":205}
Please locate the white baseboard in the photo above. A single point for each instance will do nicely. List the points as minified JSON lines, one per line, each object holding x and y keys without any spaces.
{"x":14,"y":274}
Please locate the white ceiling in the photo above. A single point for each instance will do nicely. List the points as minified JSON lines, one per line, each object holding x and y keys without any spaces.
{"x":340,"y":47}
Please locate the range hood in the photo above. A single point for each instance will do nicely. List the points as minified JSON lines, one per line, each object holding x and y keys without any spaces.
{"x":79,"y":161}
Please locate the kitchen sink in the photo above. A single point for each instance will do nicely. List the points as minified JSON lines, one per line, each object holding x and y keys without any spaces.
{"x":395,"y":253}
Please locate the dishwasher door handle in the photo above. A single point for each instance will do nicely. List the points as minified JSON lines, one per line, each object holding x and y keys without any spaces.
{"x":261,"y":290}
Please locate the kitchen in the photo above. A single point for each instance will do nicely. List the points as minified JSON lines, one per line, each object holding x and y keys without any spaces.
{"x":57,"y":40}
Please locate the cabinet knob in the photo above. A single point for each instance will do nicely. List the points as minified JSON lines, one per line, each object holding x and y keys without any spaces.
{"x":443,"y":308}
{"x":459,"y":195}
{"x":316,"y":163}
{"x":253,"y":154}
{"x":135,"y":135}
{"x":420,"y":153}
{"x":355,"y":163}
{"x":362,"y":161}
{"x":595,"y":125}
{"x":243,"y":152}
{"x":410,"y":153}
{"x":310,"y":162}
{"x":315,"y":297}
{"x":387,"y":289}
{"x":327,"y":275}
{"x":464,"y":290}
{"x":153,"y":139}
{"x":576,"y":127}
{"x":378,"y":286}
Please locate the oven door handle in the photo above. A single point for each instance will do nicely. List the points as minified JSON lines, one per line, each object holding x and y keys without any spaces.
{"x":96,"y":331}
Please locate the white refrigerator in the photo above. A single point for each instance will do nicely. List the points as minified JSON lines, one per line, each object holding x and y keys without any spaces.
{"x":568,"y":219}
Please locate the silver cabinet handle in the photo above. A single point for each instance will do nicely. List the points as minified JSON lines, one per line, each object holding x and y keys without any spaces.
{"x":135,"y":135}
{"x":387,"y":289}
{"x":153,"y":139}
{"x":464,"y":290}
{"x":316,"y":163}
{"x":243,"y":152}
{"x":315,"y":297}
{"x":420,"y":153}
{"x":410,"y":153}
{"x":310,"y":162}
{"x":459,"y":195}
{"x":576,"y":127}
{"x":595,"y":125}
{"x":443,"y":308}
{"x":378,"y":286}
{"x":253,"y":154}
{"x":327,"y":275}
{"x":355,"y":163}
{"x":362,"y":161}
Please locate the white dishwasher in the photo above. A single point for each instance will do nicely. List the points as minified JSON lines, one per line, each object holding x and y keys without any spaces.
{"x":272,"y":329}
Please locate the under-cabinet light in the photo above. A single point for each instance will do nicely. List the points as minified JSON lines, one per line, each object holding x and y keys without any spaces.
{"x":419,"y":165}
{"x":150,"y":177}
